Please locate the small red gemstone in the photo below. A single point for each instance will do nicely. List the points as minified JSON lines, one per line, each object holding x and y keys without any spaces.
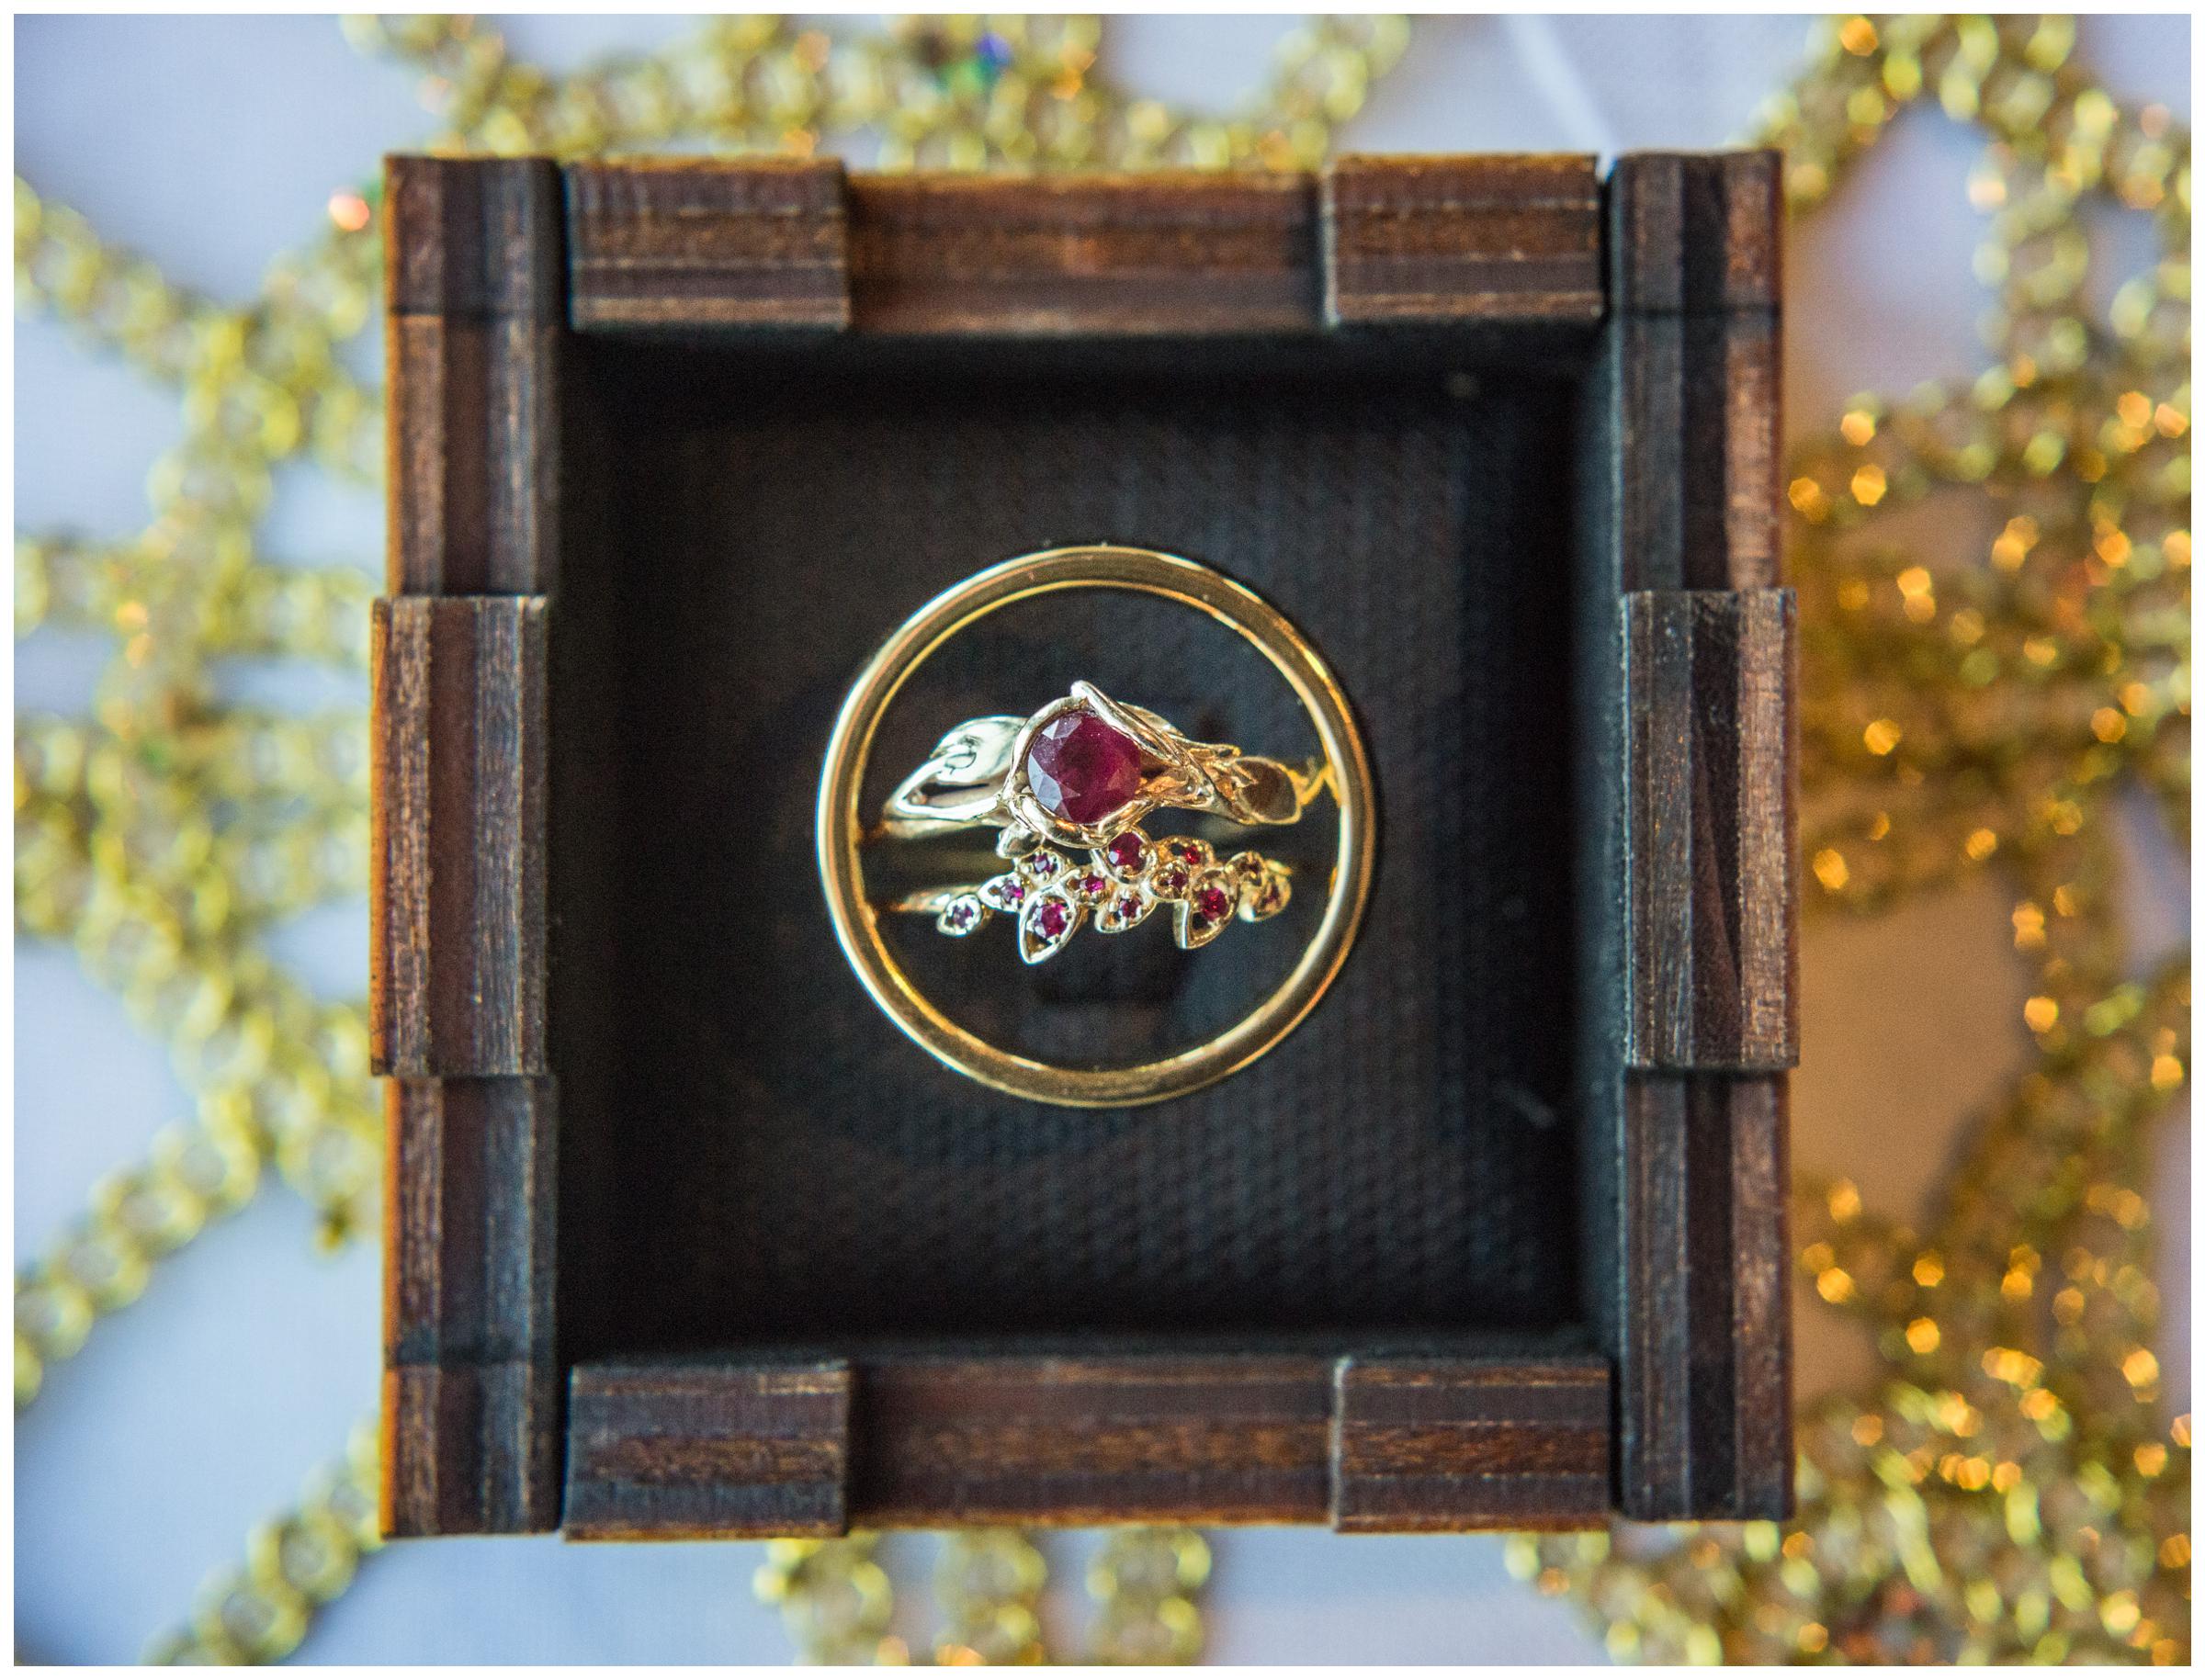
{"x":1052,"y":919}
{"x":1093,"y":886}
{"x":1126,"y":853}
{"x":1211,"y":903}
{"x":1189,"y":853}
{"x":1128,"y":907}
{"x":1174,"y":880}
{"x":1044,"y":866}
{"x":1082,"y":770}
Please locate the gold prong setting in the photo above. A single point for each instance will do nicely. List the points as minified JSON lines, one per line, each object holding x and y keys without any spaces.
{"x":1048,"y":925}
{"x":963,"y":916}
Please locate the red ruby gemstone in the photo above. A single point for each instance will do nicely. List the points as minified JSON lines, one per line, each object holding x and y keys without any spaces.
{"x":1052,"y":919}
{"x":1082,"y":770}
{"x":1093,"y":886}
{"x":1126,"y":853}
{"x":1211,"y":903}
{"x":1129,"y":907}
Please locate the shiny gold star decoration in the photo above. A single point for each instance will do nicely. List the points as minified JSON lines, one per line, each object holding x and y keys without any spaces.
{"x":2005,"y":1487}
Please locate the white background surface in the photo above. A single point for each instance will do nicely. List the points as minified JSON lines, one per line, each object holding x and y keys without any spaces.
{"x":211,"y":144}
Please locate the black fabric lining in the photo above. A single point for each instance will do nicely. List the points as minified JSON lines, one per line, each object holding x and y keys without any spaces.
{"x":782,"y":1163}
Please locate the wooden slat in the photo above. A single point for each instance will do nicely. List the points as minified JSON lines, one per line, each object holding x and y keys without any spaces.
{"x":1698,"y":233}
{"x":1754,"y":1436}
{"x":1699,"y":418}
{"x":473,"y":239}
{"x":705,"y":245}
{"x":1431,"y":241}
{"x":1443,"y":1444}
{"x":1435,"y":1443}
{"x":945,"y":1442}
{"x":1704,"y":1366}
{"x":457,"y":950}
{"x":476,"y":302}
{"x":724,"y":1452}
{"x":469,"y":1227}
{"x":471,"y":1449}
{"x":708,"y":244}
{"x":473,"y":456}
{"x":1708,"y":867}
{"x":1102,"y":254}
{"x":1685,"y":393}
{"x":1696,"y":356}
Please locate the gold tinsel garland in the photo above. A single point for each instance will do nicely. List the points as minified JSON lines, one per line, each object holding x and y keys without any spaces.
{"x":2004,"y":1487}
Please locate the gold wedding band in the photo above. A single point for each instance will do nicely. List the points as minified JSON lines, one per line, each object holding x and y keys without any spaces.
{"x":840,"y":832}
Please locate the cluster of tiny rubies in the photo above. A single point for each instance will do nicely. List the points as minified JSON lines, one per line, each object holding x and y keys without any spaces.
{"x":1131,"y":853}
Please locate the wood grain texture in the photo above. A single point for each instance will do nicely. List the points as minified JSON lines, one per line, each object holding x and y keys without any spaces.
{"x":469,"y":1223}
{"x":473,"y":239}
{"x":471,"y":1449}
{"x":1686,"y":411}
{"x":689,"y":244}
{"x":457,"y":956}
{"x":476,"y":301}
{"x":1429,"y":241}
{"x":942,"y":1442}
{"x":1697,"y":233}
{"x":1699,"y":420}
{"x":473,"y":456}
{"x":1444,"y":1445}
{"x":1710,"y":834}
{"x":901,"y":1441}
{"x":475,"y":307}
{"x":712,"y":245}
{"x":1694,"y":275}
{"x":727,"y":1452}
{"x":1185,"y":253}
{"x":1703,"y":1386}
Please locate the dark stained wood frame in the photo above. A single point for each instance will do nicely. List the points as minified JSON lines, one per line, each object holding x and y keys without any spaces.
{"x":1667,"y":273}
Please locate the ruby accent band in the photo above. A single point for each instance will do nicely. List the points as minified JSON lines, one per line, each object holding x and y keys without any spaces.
{"x":1051,"y":896}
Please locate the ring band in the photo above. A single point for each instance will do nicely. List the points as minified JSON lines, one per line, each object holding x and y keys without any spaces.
{"x":840,"y":830}
{"x":1051,"y":896}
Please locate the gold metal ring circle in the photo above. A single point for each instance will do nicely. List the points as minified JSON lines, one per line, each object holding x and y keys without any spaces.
{"x":840,"y":825}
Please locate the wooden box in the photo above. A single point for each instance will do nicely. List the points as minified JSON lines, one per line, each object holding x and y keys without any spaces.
{"x":685,"y":1240}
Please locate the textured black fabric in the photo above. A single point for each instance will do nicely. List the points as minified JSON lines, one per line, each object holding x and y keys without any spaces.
{"x":782,"y":1162}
